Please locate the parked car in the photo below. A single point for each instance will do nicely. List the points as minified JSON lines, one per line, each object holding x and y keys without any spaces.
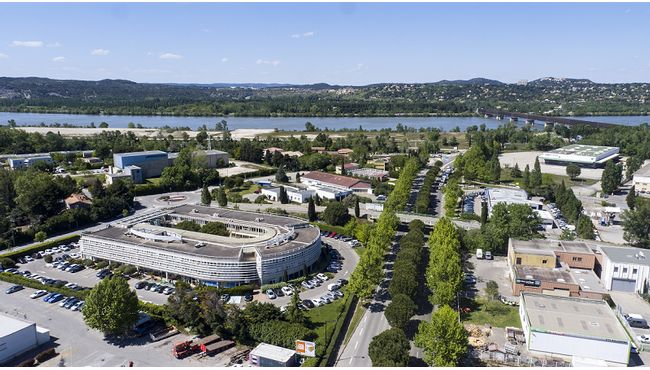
{"x":287,"y":290}
{"x":55,"y":298}
{"x":29,"y":259}
{"x":317,"y":302}
{"x":271,"y":294}
{"x":469,"y":279}
{"x":168,"y":290}
{"x":66,"y":301}
{"x":338,"y":293}
{"x":307,"y":285}
{"x":278,"y":292}
{"x":322,"y":277}
{"x":14,"y":289}
{"x":140,"y":284}
{"x":645,"y":338}
{"x":248,"y":297}
{"x":488,"y":255}
{"x":225,"y":297}
{"x":102,"y":272}
{"x":308,"y":303}
{"x":77,"y":306}
{"x":342,"y":282}
{"x":38,"y":294}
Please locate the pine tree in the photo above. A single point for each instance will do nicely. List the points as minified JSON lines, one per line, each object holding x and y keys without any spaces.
{"x":536,"y":175}
{"x":222,"y":199}
{"x":357,"y":211}
{"x":484,"y":213}
{"x":526,"y":178}
{"x":630,"y":199}
{"x":206,"y":197}
{"x":311,"y":210}
{"x":515,"y":172}
{"x":284,"y":199}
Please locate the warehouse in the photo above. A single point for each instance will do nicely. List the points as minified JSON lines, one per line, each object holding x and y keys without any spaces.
{"x":495,"y":196}
{"x":641,"y":180}
{"x":18,"y":337}
{"x":577,"y":328}
{"x":268,"y":355}
{"x":625,"y":269}
{"x":260,"y":248}
{"x":317,"y":179}
{"x":151,"y":162}
{"x":293,"y":194}
{"x":592,"y":156}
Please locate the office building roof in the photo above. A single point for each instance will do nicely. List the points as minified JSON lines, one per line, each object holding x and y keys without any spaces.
{"x":579,"y":317}
{"x":629,"y":255}
{"x":279,"y":354}
{"x":338,"y":180}
{"x":135,"y":154}
{"x":643,"y":171}
{"x":549,"y":247}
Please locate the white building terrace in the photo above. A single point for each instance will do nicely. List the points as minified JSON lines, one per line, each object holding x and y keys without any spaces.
{"x":582,"y":155}
{"x":261,"y":248}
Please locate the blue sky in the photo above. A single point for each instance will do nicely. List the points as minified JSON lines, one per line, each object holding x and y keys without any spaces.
{"x":325,"y":42}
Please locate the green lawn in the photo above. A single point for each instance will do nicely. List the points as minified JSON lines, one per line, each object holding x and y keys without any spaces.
{"x":154,"y":180}
{"x":547,"y":179}
{"x":493,"y":313}
{"x":326,"y":323}
{"x":356,"y":319}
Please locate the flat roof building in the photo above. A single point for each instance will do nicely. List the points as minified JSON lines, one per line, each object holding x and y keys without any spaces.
{"x":573,"y":327}
{"x":625,"y":269}
{"x":641,"y":180}
{"x":28,"y":161}
{"x":495,"y":196}
{"x":151,"y":163}
{"x":268,"y":355}
{"x":317,"y":179}
{"x":18,"y":337}
{"x":260,"y":248}
{"x":580,"y":154}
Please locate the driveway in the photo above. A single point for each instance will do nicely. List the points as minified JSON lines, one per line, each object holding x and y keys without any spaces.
{"x":496,"y":269}
{"x":632,"y":303}
{"x":351,"y":258}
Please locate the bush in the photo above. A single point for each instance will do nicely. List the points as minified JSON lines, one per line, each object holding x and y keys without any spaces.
{"x":45,"y":355}
{"x":7,"y":263}
{"x":48,"y":258}
{"x":41,"y":247}
{"x":336,"y":214}
{"x":101,"y":264}
{"x":279,"y":333}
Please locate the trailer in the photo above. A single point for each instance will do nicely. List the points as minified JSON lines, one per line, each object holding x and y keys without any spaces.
{"x":217,"y":347}
{"x":209,"y":340}
{"x":163,"y":333}
{"x":185,"y":349}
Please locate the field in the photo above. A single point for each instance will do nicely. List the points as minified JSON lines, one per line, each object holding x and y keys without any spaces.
{"x":492,"y":313}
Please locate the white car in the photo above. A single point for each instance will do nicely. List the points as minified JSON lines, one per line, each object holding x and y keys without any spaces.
{"x":283,"y":309}
{"x":333,"y":286}
{"x":38,"y":293}
{"x":317,"y":302}
{"x":29,"y":259}
{"x":307,"y":285}
{"x":77,"y":306}
{"x":271,"y":294}
{"x":71,"y":286}
{"x":322,"y":277}
{"x":286,"y":290}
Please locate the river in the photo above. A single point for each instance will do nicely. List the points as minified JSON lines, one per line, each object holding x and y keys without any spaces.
{"x":283,"y":123}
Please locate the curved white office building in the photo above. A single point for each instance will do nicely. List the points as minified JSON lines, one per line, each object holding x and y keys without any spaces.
{"x":261,"y":248}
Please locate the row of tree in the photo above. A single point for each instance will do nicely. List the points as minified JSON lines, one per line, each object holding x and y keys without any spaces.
{"x":402,"y":190}
{"x":443,"y":339}
{"x":423,"y":200}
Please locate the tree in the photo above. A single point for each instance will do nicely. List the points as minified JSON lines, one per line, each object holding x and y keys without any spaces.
{"x":103,"y":125}
{"x":357,"y":211}
{"x":492,"y":290}
{"x":188,"y":225}
{"x":283,"y":198}
{"x":635,"y":224}
{"x":515,"y":172}
{"x":294,"y":314}
{"x":297,"y":177}
{"x":336,"y":214}
{"x":311,"y":210}
{"x":536,"y":175}
{"x":206,"y":197}
{"x":215,"y":228}
{"x":632,"y":165}
{"x":630,"y":199}
{"x":281,"y":176}
{"x":573,"y":171}
{"x":48,"y":258}
{"x":611,"y":177}
{"x":222,"y":199}
{"x":389,"y":349}
{"x":40,"y":236}
{"x":584,"y":227}
{"x":444,"y":339}
{"x":111,"y":307}
{"x":526,"y":178}
{"x":399,"y":311}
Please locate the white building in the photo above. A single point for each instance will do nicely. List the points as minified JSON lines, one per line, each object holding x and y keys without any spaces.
{"x":582,"y":155}
{"x":18,"y":337}
{"x":641,"y":180}
{"x":625,"y":268}
{"x":577,"y":328}
{"x":268,"y":355}
{"x":28,"y":161}
{"x":509,"y":196}
{"x":293,"y":194}
{"x":260,"y":247}
{"x":316,"y":179}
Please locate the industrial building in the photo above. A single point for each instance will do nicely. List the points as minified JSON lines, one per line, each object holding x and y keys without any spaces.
{"x":495,"y":196}
{"x":641,"y":180}
{"x":625,"y":269}
{"x":18,"y":337}
{"x":584,"y":330}
{"x":582,"y":155}
{"x":268,"y":355}
{"x":293,"y":194}
{"x":316,"y":179}
{"x":261,"y":248}
{"x":139,"y":166}
{"x":28,"y":161}
{"x":369,"y":173}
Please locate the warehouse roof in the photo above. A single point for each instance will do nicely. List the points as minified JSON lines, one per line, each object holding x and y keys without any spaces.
{"x":579,"y":317}
{"x":338,"y":180}
{"x":549,"y":247}
{"x":135,"y":154}
{"x":272,"y":352}
{"x":631,"y":255}
{"x":643,"y":171}
{"x":583,"y":150}
{"x":9,"y":325}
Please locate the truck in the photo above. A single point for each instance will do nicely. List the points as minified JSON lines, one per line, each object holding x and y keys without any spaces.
{"x":185,"y":349}
{"x":479,"y":253}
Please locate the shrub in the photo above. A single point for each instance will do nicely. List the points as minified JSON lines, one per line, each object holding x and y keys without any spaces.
{"x":7,"y":262}
{"x":45,"y":355}
{"x":101,"y":264}
{"x":41,"y":247}
{"x":48,"y":258}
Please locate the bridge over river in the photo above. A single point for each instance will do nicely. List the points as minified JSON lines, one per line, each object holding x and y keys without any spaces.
{"x":548,"y":120}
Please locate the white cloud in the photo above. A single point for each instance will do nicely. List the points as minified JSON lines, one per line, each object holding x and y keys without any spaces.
{"x":170,"y":56}
{"x":27,"y":44}
{"x":304,"y":34}
{"x":4,"y":56}
{"x":274,"y":63}
{"x":54,"y":44}
{"x":58,"y":59}
{"x":100,"y":52}
{"x":224,"y":60}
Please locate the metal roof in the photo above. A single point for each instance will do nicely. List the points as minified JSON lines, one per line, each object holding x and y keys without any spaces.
{"x":9,"y":325}
{"x":272,"y":352}
{"x":630,"y":255}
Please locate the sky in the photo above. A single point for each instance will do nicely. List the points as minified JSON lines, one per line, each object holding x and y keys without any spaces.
{"x":347,"y":44}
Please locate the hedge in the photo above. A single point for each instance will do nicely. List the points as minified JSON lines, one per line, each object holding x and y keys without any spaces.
{"x":41,"y":247}
{"x":21,"y":280}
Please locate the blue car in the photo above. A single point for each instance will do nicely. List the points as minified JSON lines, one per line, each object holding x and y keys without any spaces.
{"x":47,"y":297}
{"x":57,"y":297}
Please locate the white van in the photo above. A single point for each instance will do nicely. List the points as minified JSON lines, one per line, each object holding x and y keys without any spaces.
{"x":636,"y":320}
{"x":479,"y":253}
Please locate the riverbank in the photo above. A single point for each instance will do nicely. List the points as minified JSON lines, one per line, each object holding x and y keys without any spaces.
{"x":238,"y":134}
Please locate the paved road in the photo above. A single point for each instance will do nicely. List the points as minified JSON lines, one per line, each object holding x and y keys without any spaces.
{"x":350,"y":261}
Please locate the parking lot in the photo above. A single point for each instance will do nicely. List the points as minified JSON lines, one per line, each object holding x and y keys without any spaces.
{"x":632,"y":303}
{"x":80,"y":346}
{"x":349,"y":262}
{"x":495,"y":269}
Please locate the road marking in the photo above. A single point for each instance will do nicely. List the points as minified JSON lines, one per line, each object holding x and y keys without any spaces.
{"x":346,"y":272}
{"x":361,"y":331}
{"x":366,"y":319}
{"x":351,"y":358}
{"x":356,"y":345}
